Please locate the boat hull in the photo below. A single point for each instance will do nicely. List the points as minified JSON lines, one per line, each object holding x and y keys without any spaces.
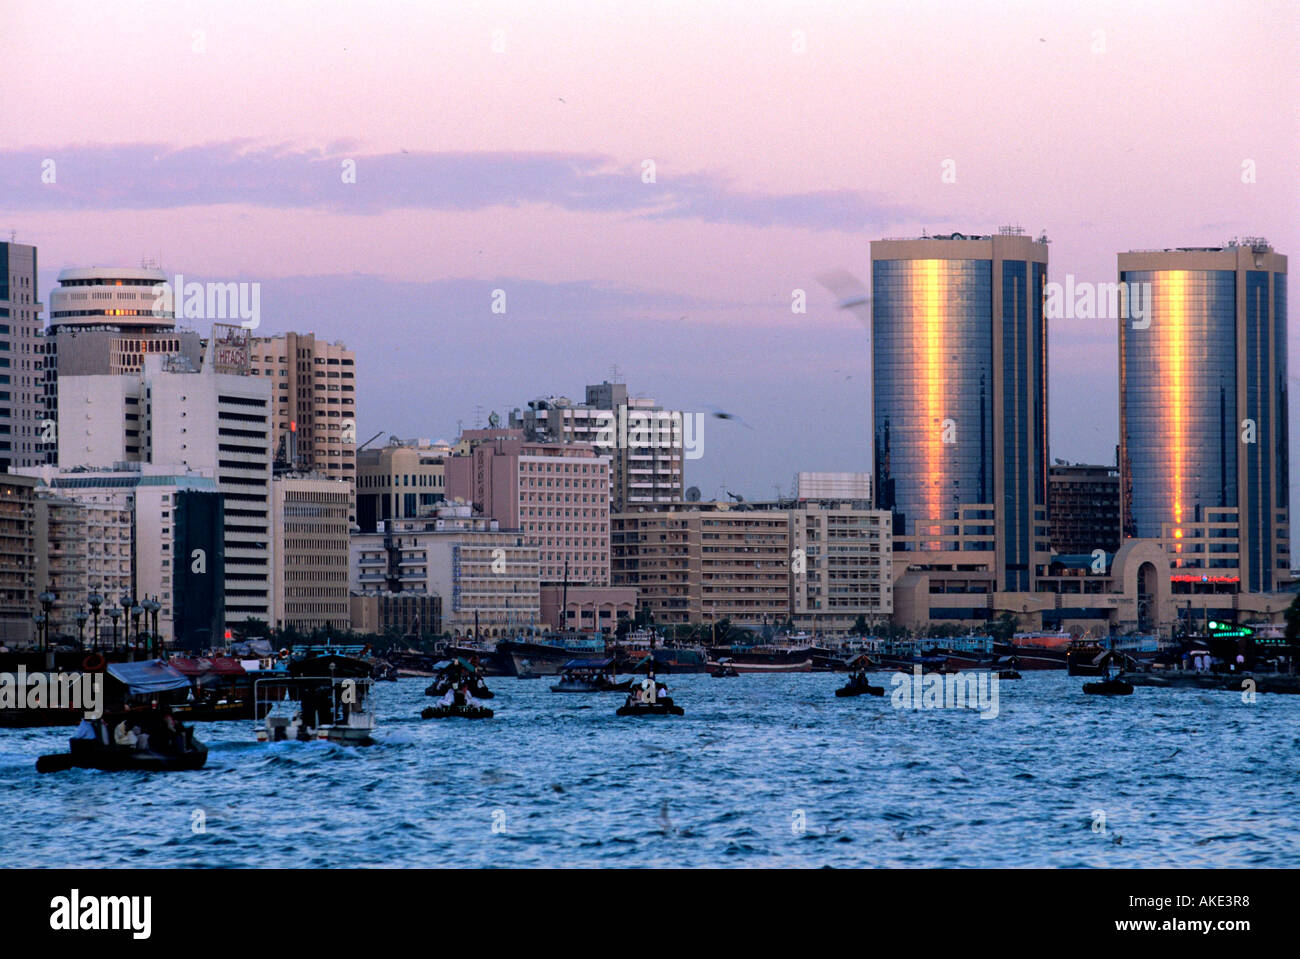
{"x":117,"y":759}
{"x":650,"y":709}
{"x":860,"y":691}
{"x":456,"y":712}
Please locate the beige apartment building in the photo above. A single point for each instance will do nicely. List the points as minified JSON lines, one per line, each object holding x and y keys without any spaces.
{"x":17,"y":559}
{"x":313,"y":401}
{"x":309,"y":519}
{"x":61,"y":561}
{"x":819,"y":564}
{"x":556,"y":494}
{"x":403,"y":480}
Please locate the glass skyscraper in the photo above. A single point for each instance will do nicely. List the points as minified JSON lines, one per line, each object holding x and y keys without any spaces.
{"x":1203,"y":409}
{"x":959,"y":394}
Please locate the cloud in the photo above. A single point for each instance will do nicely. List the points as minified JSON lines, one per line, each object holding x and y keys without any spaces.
{"x":143,"y":176}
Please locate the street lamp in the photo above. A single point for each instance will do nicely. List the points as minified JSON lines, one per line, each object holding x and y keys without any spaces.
{"x":81,"y":618}
{"x":126,"y":602}
{"x":39,"y":620}
{"x":151,"y":607}
{"x":136,"y":610}
{"x":113,"y":614}
{"x":47,"y":601}
{"x":95,"y":600}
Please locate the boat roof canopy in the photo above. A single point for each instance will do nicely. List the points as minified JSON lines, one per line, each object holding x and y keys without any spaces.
{"x":587,"y":664}
{"x":218,"y":665}
{"x":148,"y":676}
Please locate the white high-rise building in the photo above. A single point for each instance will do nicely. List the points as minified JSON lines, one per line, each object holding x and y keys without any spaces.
{"x":215,"y":423}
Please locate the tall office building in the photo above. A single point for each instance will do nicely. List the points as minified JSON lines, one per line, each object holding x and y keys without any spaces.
{"x":959,"y":367}
{"x":22,"y":361}
{"x":313,"y":395}
{"x":215,"y":422}
{"x":1203,"y":411}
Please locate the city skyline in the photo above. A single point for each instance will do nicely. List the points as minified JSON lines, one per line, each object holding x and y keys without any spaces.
{"x":685,"y":283}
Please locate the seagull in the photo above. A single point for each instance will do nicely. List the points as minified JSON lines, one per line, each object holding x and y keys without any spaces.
{"x":851,"y":294}
{"x":724,"y":415}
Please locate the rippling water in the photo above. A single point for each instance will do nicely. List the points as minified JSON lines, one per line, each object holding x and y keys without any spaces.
{"x":1184,"y":778}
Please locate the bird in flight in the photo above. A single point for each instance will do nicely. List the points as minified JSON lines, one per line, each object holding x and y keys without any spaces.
{"x":850,"y":294}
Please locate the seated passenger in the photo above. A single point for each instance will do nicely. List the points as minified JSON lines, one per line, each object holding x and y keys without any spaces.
{"x":124,"y":735}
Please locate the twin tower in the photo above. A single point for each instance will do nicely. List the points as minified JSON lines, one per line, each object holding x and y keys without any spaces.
{"x":960,"y":400}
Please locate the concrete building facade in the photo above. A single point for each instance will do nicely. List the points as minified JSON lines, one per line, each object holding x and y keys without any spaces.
{"x":25,"y":435}
{"x":645,"y":443}
{"x":556,"y":494}
{"x":309,"y":517}
{"x":486,"y":577}
{"x":403,"y":480}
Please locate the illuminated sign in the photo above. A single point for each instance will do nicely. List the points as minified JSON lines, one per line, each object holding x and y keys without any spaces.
{"x":1229,"y":630}
{"x":1183,"y":578}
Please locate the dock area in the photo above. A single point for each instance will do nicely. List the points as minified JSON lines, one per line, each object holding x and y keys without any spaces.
{"x":1234,"y":682}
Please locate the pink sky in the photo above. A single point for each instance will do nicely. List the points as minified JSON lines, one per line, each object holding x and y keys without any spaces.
{"x":1108,"y":128}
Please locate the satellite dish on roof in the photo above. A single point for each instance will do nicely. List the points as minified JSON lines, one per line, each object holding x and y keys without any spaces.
{"x":693,"y":494}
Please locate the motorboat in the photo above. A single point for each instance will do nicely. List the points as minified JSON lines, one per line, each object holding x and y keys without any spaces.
{"x":304,"y":708}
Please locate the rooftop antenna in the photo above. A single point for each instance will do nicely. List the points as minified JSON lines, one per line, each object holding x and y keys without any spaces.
{"x":614,"y":374}
{"x":478,"y":417}
{"x":13,"y":235}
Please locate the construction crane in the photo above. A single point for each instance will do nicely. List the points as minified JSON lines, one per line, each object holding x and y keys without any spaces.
{"x":369,"y":441}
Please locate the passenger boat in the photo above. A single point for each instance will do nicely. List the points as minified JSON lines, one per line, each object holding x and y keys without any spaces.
{"x":588,"y":676}
{"x":452,"y":673}
{"x":222,"y":688}
{"x":111,"y":741}
{"x":68,"y":662}
{"x":859,"y":686}
{"x":723,"y":669}
{"x":1109,"y":687}
{"x":455,"y":711}
{"x":649,"y":698}
{"x":99,"y":748}
{"x":304,"y":708}
{"x":665,"y":708}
